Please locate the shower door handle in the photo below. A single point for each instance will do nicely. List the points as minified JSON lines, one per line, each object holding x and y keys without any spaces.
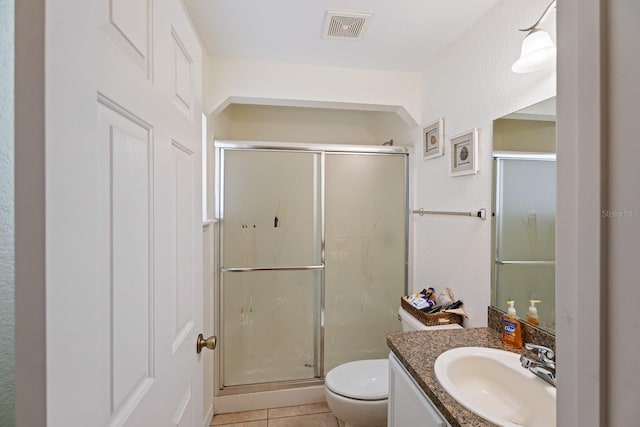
{"x":288,"y":268}
{"x":210,"y":343}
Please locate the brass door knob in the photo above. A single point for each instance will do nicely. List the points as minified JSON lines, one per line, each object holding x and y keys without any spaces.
{"x":210,"y":343}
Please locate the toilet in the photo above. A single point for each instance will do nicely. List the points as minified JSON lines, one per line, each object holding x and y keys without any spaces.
{"x":357,"y":392}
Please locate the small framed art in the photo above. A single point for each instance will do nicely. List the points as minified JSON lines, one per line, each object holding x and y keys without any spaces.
{"x":463,"y":153}
{"x":433,"y":140}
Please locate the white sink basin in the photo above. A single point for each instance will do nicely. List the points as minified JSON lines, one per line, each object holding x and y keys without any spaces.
{"x":492,"y":384}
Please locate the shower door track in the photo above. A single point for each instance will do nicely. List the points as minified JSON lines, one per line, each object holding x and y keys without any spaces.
{"x":322,"y":149}
{"x":318,"y":148}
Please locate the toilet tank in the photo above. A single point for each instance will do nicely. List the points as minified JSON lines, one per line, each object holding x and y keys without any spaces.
{"x":410,"y":323}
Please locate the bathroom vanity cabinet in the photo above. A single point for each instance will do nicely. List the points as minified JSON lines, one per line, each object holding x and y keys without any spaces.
{"x":409,"y":406}
{"x":416,"y":397}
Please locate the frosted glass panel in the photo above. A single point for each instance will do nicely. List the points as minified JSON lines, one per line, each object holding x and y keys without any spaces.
{"x":365,"y":254}
{"x":527,"y":210}
{"x":522,"y":282}
{"x":525,"y":238}
{"x":271,"y":209}
{"x":269,"y":327}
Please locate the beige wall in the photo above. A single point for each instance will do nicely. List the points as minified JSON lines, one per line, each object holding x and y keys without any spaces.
{"x":311,"y":125}
{"x":524,"y":135}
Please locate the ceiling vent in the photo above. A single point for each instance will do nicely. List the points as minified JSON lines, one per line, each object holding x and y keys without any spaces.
{"x":346,"y":25}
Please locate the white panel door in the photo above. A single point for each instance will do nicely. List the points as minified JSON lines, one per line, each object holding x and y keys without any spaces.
{"x":124,"y":231}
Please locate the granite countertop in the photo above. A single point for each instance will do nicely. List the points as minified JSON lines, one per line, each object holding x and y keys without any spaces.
{"x":418,"y":351}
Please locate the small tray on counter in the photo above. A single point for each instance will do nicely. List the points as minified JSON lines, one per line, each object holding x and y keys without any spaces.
{"x":436,"y":319}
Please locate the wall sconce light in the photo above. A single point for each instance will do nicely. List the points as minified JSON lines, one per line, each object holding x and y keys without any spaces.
{"x":538,"y":50}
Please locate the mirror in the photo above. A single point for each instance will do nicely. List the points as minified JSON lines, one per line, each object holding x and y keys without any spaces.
{"x":524,"y":207}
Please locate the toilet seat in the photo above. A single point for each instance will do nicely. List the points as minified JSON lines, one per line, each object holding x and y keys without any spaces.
{"x":360,"y":380}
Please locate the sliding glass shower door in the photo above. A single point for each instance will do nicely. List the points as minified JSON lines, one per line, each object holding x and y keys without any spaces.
{"x":313,"y":256}
{"x":271,"y":266}
{"x":366,"y":254}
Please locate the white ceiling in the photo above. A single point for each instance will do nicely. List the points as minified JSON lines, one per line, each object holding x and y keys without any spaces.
{"x":403,"y":35}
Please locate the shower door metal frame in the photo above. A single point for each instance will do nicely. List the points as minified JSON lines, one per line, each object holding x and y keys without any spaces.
{"x":220,"y":146}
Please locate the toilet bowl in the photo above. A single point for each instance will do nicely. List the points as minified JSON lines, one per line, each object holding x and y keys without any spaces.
{"x":357,"y":392}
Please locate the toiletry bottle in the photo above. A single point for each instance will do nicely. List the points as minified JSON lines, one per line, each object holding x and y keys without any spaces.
{"x":533,"y":312}
{"x":511,"y":328}
{"x":430,"y":295}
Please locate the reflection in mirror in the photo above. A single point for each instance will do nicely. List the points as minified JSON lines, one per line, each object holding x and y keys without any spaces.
{"x":524,"y":206}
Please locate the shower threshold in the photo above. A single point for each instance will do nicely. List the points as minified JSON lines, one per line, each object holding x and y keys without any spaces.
{"x":273,"y":386}
{"x":263,"y":396}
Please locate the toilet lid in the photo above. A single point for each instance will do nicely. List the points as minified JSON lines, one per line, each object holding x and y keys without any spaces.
{"x":362,"y":379}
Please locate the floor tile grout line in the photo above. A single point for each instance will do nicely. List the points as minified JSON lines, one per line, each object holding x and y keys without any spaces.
{"x":277,"y":418}
{"x":325,"y":410}
{"x":298,"y":415}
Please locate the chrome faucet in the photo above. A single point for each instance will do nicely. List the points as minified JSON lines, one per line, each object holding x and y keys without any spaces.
{"x":543,"y":365}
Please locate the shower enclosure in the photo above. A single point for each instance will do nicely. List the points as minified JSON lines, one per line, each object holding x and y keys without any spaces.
{"x":312,"y":259}
{"x":525,"y":213}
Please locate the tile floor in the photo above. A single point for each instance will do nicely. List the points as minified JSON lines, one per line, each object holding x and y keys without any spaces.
{"x":313,"y":415}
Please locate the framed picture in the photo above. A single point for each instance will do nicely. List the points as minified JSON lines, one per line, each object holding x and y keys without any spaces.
{"x":433,"y":140}
{"x":463,"y":153}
